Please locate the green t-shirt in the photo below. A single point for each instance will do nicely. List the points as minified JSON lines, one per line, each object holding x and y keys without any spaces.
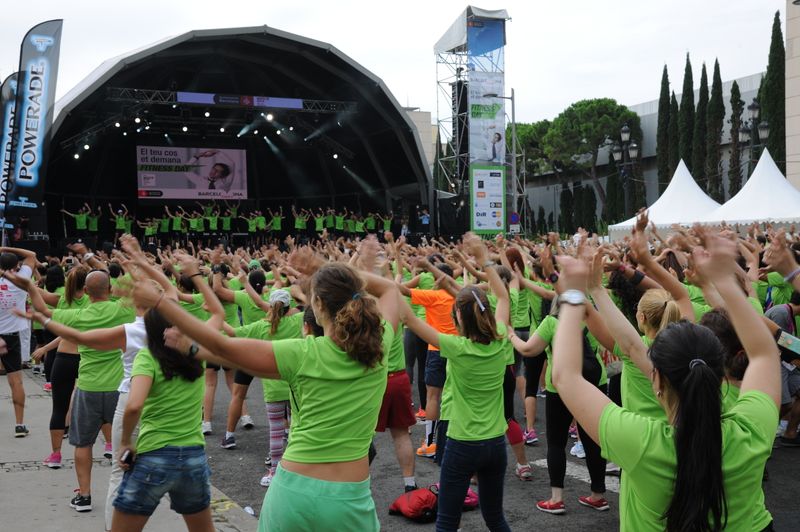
{"x":339,"y":223}
{"x":80,"y":220}
{"x":93,"y":223}
{"x":474,"y":379}
{"x":349,"y":226}
{"x":177,"y":223}
{"x":644,"y":448}
{"x":232,"y":309}
{"x":701,"y":309}
{"x":359,"y":226}
{"x":426,"y":282}
{"x":300,"y":222}
{"x":369,"y":223}
{"x":195,"y":308}
{"x":535,"y":303}
{"x":129,"y":226}
{"x":226,"y":223}
{"x":396,"y":359}
{"x":695,"y":294}
{"x":201,"y":224}
{"x":79,"y":302}
{"x":547,"y":332}
{"x":234,"y":211}
{"x":636,"y":388}
{"x":120,"y":222}
{"x":387,"y":224}
{"x":207,"y":210}
{"x":261,"y":223}
{"x":173,"y":410}
{"x":319,"y":223}
{"x":277,"y":221}
{"x":99,"y":371}
{"x":213,"y":222}
{"x":289,"y":327}
{"x":329,"y":221}
{"x":252,"y":225}
{"x":251,"y":312}
{"x":151,"y":229}
{"x":163,"y":225}
{"x":193,"y":224}
{"x":520,"y":309}
{"x":336,"y":399}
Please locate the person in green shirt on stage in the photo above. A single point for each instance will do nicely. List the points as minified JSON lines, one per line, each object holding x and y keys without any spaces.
{"x":387,"y":221}
{"x":369,"y":222}
{"x":163,"y":229}
{"x":177,"y":225}
{"x":213,"y":219}
{"x":300,"y":221}
{"x":233,"y":208}
{"x":319,"y":221}
{"x":81,"y":218}
{"x":150,"y":227}
{"x":120,"y":218}
{"x":276,"y":221}
{"x":226,"y":222}
{"x":207,"y":208}
{"x":331,"y":432}
{"x":252,"y":227}
{"x":340,"y":219}
{"x":329,"y":216}
{"x":94,"y":221}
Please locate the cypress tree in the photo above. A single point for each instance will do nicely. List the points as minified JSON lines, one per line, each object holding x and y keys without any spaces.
{"x":541,"y":223}
{"x":674,"y":135}
{"x":615,"y":200}
{"x":773,"y":97}
{"x":662,"y":134}
{"x":699,"y":134}
{"x":590,"y":205}
{"x":566,"y":202}
{"x":686,"y":120}
{"x":551,"y":222}
{"x":735,"y":161}
{"x":714,"y":123}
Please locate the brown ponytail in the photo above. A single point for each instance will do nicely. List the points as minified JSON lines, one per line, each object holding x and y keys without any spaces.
{"x":477,"y":319}
{"x":76,"y":280}
{"x":357,"y":326}
{"x":277,"y":311}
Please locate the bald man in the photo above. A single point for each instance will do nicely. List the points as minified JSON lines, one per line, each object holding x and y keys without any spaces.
{"x":99,"y":374}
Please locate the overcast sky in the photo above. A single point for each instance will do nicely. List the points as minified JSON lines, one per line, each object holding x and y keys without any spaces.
{"x":557,"y":52}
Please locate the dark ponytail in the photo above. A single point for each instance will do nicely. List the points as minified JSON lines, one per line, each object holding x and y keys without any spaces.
{"x":277,"y":311}
{"x":357,"y":325}
{"x":689,"y":359}
{"x":172,"y":363}
{"x":477,"y":320}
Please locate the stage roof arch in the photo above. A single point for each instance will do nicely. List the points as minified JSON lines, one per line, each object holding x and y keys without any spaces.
{"x":379,"y":156}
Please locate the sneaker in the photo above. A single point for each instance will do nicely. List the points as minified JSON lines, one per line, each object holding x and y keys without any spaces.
{"x":81,"y":503}
{"x":523,"y":472}
{"x":268,"y":461}
{"x":247,"y":422}
{"x":601,"y":505}
{"x":577,"y":450}
{"x":20,"y":431}
{"x":228,"y":443}
{"x":573,"y":432}
{"x":37,"y":369}
{"x":107,"y":452}
{"x":612,"y":469}
{"x":206,"y":428}
{"x":540,"y":393}
{"x":420,"y":414}
{"x":266,"y":480}
{"x":410,"y":488}
{"x":530,"y":437}
{"x":66,"y":432}
{"x":790,"y":442}
{"x":781,"y":427}
{"x":47,"y":387}
{"x":53,"y":461}
{"x":428,"y":451}
{"x":548,"y":507}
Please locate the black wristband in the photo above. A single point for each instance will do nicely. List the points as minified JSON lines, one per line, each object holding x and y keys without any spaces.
{"x":637,"y":277}
{"x":195,"y":275}
{"x":193,"y":349}
{"x":553,"y":278}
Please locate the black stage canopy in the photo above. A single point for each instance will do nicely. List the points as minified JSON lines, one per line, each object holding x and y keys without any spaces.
{"x":349,"y":144}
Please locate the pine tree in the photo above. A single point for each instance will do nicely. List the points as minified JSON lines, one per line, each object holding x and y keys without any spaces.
{"x":735,"y":161}
{"x":699,"y":134}
{"x":674,"y":136}
{"x":773,"y":97}
{"x":662,"y":134}
{"x":686,"y":120}
{"x":714,"y":123}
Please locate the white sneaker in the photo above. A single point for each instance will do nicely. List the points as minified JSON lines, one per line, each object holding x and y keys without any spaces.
{"x":247,"y":422}
{"x":266,"y":480}
{"x":612,"y":469}
{"x":206,"y":428}
{"x":577,"y":450}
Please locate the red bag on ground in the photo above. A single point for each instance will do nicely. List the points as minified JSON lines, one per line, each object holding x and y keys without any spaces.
{"x":418,"y":505}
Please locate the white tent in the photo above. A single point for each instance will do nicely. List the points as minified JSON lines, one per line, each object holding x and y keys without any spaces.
{"x":683,"y":202}
{"x":766,"y":197}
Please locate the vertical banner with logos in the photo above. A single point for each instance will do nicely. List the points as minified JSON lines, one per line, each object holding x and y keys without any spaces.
{"x":36,"y":91}
{"x":487,"y":124}
{"x":8,"y":99}
{"x":488,"y":198}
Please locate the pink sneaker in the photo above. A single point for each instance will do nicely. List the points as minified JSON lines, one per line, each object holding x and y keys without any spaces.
{"x":107,"y":452}
{"x":48,"y":387}
{"x":573,"y":432}
{"x":53,"y":461}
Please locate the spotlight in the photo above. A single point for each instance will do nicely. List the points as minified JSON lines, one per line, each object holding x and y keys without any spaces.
{"x":147,"y":127}
{"x":255,"y":132}
{"x":238,"y":135}
{"x":184,"y":129}
{"x":166,"y":135}
{"x":222,"y":130}
{"x":278,"y":131}
{"x":291,"y":128}
{"x":124,"y":133}
{"x":85,"y":146}
{"x":207,"y":113}
{"x":338,"y":123}
{"x":77,"y":155}
{"x":138,"y":130}
{"x":269,"y":117}
{"x":116,"y":124}
{"x":137,"y":120}
{"x":335,"y":155}
{"x":174,"y":105}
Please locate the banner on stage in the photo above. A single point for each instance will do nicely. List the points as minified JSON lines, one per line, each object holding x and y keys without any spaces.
{"x":8,"y":97}
{"x":487,"y":118}
{"x":487,"y":199}
{"x":168,"y":172}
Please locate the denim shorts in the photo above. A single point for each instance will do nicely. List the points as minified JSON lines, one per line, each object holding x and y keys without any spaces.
{"x":435,"y":369}
{"x":182,"y":472}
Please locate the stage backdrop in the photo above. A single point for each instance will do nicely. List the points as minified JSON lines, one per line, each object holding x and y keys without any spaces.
{"x":168,"y":172}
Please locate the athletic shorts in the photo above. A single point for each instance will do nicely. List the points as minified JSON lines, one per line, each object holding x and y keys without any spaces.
{"x":435,"y":369}
{"x":90,"y":411}
{"x":12,"y":360}
{"x":790,"y":384}
{"x":182,"y":472}
{"x":523,"y":334}
{"x":240,"y":377}
{"x":215,"y":367}
{"x":298,"y":502}
{"x":396,"y":412}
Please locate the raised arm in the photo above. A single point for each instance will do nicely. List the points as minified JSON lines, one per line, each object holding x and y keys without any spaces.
{"x":672,"y":285}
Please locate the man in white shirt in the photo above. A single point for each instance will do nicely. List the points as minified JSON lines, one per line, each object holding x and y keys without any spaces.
{"x":217,"y":174}
{"x":11,"y":325}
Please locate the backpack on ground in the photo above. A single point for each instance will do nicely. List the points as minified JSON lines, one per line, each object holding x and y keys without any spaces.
{"x":418,"y":505}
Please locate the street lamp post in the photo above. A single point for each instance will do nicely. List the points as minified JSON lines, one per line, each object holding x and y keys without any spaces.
{"x":515,"y":194}
{"x":625,"y":156}
{"x":754,"y":135}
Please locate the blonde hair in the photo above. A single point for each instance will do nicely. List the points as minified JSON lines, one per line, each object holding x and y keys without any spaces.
{"x":658,"y":309}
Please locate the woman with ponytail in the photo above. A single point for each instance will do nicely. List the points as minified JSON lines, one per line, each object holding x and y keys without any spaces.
{"x":694,"y":469}
{"x":473,"y":396}
{"x":338,"y":381}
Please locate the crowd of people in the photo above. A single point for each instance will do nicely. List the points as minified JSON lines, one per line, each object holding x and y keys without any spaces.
{"x":668,"y":358}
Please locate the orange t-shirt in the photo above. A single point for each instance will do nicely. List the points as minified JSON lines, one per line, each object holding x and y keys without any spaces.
{"x":438,"y":310}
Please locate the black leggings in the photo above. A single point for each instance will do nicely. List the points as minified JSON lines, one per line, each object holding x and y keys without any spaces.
{"x":65,"y":371}
{"x":416,"y":352}
{"x":557,"y":429}
{"x":509,"y":390}
{"x":49,"y":357}
{"x":533,"y":370}
{"x":615,"y":388}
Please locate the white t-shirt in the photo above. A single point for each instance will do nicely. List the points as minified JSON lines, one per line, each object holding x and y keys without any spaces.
{"x":12,"y":297}
{"x":135,"y":339}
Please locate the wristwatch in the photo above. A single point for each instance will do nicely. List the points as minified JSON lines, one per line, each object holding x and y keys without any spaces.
{"x":572,"y":297}
{"x":193,"y":349}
